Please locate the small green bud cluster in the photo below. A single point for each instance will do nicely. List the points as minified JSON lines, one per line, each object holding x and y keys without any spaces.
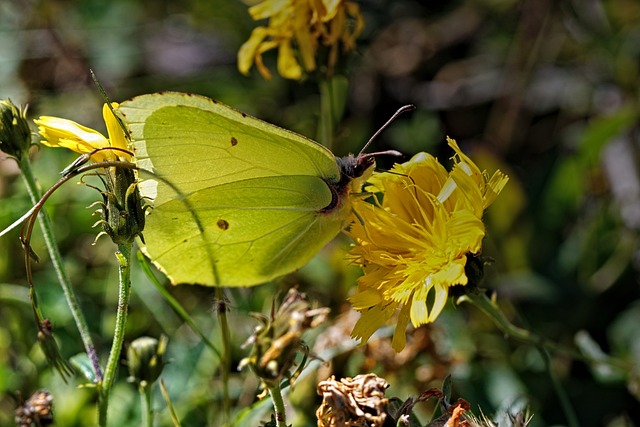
{"x":145,"y":360}
{"x":15,"y":135}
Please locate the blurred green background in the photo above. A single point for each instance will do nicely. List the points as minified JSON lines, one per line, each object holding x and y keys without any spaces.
{"x":545,"y":90}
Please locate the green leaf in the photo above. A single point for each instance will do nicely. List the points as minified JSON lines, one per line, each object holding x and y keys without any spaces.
{"x":81,"y":363}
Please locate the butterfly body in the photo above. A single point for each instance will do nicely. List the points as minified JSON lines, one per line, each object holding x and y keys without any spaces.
{"x":235,"y":201}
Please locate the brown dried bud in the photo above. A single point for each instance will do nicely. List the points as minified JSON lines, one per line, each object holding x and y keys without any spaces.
{"x":277,"y":341}
{"x":37,"y":410}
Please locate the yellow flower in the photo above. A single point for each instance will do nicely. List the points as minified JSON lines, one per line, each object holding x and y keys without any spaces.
{"x":413,"y":245}
{"x":301,"y":25}
{"x":121,"y":208}
{"x":65,"y":133}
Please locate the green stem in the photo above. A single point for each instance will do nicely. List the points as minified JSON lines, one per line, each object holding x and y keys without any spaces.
{"x":184,"y":315}
{"x":491,"y":309}
{"x":147,"y":411}
{"x":481,"y":301}
{"x":278,"y":403}
{"x":565,"y":402}
{"x":172,"y":412}
{"x":124,"y":291}
{"x":327,"y":113}
{"x":225,"y":360}
{"x":56,"y":260}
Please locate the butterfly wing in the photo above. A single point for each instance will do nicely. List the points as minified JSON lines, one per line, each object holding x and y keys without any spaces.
{"x":236,"y":201}
{"x":245,"y":232}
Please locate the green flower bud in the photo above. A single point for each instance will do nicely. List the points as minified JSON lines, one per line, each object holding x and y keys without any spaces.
{"x":122,"y":211}
{"x":145,"y":360}
{"x":15,"y":135}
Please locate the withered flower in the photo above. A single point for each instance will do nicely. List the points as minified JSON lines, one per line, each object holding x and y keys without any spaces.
{"x":277,"y":341}
{"x":353,"y":402}
{"x":37,"y":410}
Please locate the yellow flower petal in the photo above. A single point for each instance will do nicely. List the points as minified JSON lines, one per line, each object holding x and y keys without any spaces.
{"x":494,"y":187}
{"x":372,"y":320}
{"x":265,"y":46}
{"x":298,"y":28}
{"x":471,"y":168}
{"x":399,"y":339}
{"x":288,"y":66}
{"x":413,"y":245}
{"x":57,"y":132}
{"x":442,"y":293}
{"x":364,"y":299}
{"x":330,"y":7}
{"x":419,"y":313}
{"x":247,"y":52}
{"x":465,"y":232}
{"x":268,"y":8}
{"x":65,"y":133}
{"x":115,"y":132}
{"x":307,"y":45}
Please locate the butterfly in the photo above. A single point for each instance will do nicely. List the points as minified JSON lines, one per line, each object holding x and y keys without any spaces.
{"x":235,"y":201}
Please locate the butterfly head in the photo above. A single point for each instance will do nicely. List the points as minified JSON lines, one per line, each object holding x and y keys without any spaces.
{"x":356,"y":166}
{"x":362,"y":164}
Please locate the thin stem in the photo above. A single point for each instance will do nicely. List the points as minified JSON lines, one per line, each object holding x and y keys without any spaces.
{"x":278,"y":402}
{"x":124,"y":291}
{"x":565,"y":403}
{"x":172,"y":412}
{"x":184,"y":315}
{"x":327,"y":113}
{"x":147,"y":411}
{"x":56,"y":260}
{"x":481,"y":301}
{"x":225,"y":360}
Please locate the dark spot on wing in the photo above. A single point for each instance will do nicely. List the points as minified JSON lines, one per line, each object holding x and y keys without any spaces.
{"x":234,"y":141}
{"x":222,"y":224}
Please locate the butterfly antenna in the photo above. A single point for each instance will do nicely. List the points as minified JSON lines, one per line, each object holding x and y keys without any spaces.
{"x":108,"y":102}
{"x":401,"y":110}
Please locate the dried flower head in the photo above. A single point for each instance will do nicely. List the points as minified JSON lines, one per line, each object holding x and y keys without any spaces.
{"x":277,"y":341}
{"x":353,"y":402}
{"x":36,"y":411}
